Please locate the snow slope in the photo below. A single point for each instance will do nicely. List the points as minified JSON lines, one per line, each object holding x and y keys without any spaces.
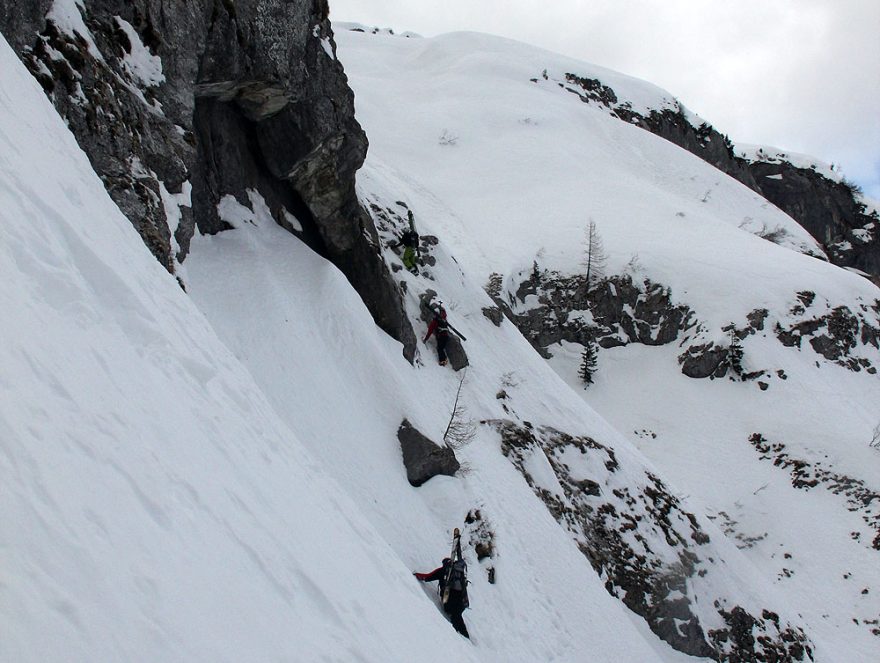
{"x":155,"y":506}
{"x":508,"y":168}
{"x":216,"y":476}
{"x":166,"y":493}
{"x":344,"y":388}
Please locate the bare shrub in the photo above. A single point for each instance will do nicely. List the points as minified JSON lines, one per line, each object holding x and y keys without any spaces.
{"x":461,"y":429}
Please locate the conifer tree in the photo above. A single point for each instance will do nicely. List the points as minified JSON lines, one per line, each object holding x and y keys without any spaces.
{"x":589,"y":361}
{"x":594,"y":255}
{"x":735,"y":354}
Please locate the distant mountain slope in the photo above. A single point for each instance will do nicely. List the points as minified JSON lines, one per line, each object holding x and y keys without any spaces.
{"x":507,"y":166}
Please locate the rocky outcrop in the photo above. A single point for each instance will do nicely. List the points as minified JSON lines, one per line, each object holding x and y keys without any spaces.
{"x":829,"y":210}
{"x":637,"y":536}
{"x":549,"y":307}
{"x":423,"y":458}
{"x":837,"y":335}
{"x":704,"y":360}
{"x":180,"y":104}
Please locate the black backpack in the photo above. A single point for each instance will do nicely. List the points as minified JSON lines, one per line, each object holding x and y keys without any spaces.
{"x":410,"y":238}
{"x":457,"y":579}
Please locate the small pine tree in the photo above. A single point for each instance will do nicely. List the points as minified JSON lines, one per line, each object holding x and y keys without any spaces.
{"x":594,"y":255}
{"x":735,"y":354}
{"x":589,"y":361}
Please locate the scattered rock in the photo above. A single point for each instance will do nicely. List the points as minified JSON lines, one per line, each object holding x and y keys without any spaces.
{"x":494,"y":314}
{"x":703,"y":361}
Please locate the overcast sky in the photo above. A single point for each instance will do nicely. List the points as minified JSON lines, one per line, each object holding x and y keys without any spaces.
{"x":801,"y":75}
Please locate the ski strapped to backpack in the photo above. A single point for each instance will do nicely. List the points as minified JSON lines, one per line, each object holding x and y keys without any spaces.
{"x":456,"y":574}
{"x":414,"y":234}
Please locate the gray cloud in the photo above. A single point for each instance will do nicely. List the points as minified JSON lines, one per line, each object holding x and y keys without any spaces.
{"x":802,"y":75}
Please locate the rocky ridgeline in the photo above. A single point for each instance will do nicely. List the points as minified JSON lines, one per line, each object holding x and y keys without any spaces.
{"x":703,"y":141}
{"x":549,"y":307}
{"x":831,"y":211}
{"x":639,"y":538}
{"x":180,"y":104}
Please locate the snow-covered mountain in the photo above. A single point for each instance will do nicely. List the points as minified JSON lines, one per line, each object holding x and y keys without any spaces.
{"x":515,"y":167}
{"x":215,"y":472}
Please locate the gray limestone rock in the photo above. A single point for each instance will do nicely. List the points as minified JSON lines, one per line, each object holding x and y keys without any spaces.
{"x":246,"y":96}
{"x":423,"y":458}
{"x":828,"y":210}
{"x":703,"y":361}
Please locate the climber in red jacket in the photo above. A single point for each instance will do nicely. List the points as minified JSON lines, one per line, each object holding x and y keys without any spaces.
{"x":440,"y":328}
{"x":455,"y":600}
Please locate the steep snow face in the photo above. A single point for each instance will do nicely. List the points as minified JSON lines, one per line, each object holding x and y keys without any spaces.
{"x":507,"y":171}
{"x":475,"y":128}
{"x":159,"y":502}
{"x":345,"y":391}
{"x":343,"y":387}
{"x":216,"y":476}
{"x":155,"y":507}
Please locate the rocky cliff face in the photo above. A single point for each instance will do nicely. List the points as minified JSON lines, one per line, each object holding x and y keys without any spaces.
{"x":179,"y":104}
{"x":548,"y":308}
{"x":829,"y":210}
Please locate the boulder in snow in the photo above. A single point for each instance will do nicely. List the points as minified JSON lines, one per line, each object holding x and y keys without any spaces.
{"x":423,"y":458}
